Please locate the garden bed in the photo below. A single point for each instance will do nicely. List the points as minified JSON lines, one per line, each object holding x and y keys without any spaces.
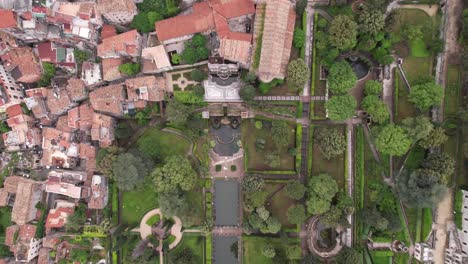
{"x":193,"y":241}
{"x":255,"y":158}
{"x":279,"y":203}
{"x":253,"y":247}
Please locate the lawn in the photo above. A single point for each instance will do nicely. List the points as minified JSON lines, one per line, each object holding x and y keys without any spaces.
{"x":279,"y":203}
{"x":320,"y":110}
{"x":418,"y":48}
{"x":136,"y":203}
{"x":426,"y":223}
{"x":334,"y":167}
{"x":256,"y":158}
{"x":158,"y":144}
{"x":193,"y":241}
{"x":196,"y":200}
{"x":253,"y":247}
{"x":452,"y":91}
{"x":5,"y":221}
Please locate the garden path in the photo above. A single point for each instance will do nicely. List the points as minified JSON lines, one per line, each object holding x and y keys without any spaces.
{"x":430,"y":10}
{"x":350,"y":178}
{"x":182,"y":81}
{"x":388,"y":89}
{"x":309,"y":36}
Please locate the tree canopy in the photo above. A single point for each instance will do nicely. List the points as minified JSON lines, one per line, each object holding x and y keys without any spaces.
{"x":417,"y":127}
{"x":393,"y":140}
{"x":425,"y":95}
{"x":177,"y":172}
{"x":341,"y":107}
{"x":178,"y":204}
{"x":295,"y":190}
{"x":441,"y":163}
{"x":322,"y":189}
{"x":129,"y":68}
{"x":298,"y":74}
{"x":144,"y":21}
{"x":297,"y":214}
{"x":343,"y":32}
{"x":436,"y":138}
{"x":177,"y":112}
{"x":195,"y":50}
{"x":299,"y":38}
{"x":376,"y":108}
{"x":129,"y":170}
{"x":373,"y":87}
{"x":331,"y":141}
{"x":247,"y":93}
{"x":371,"y":21}
{"x":280,"y":133}
{"x":421,"y":189}
{"x":251,"y":184}
{"x":341,"y":77}
{"x":348,"y":255}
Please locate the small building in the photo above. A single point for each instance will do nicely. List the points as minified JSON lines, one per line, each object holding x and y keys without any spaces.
{"x":155,"y":60}
{"x":117,"y":11}
{"x":67,"y":183}
{"x":110,"y":69}
{"x":24,"y":27}
{"x":81,"y":117}
{"x":23,"y":134}
{"x":10,"y":92}
{"x":99,"y":193}
{"x":22,"y":65}
{"x":58,"y":149}
{"x":91,"y":73}
{"x":103,"y":130}
{"x":146,"y":89}
{"x":423,"y":252}
{"x":109,"y":100}
{"x":463,"y":233}
{"x":26,"y":247}
{"x":57,"y":217}
{"x":223,"y":83}
{"x":58,"y":101}
{"x":126,"y":44}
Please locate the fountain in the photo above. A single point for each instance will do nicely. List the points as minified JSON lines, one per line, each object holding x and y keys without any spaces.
{"x":360,"y":67}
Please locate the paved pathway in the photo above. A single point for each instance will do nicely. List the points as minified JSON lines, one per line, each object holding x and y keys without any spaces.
{"x":309,"y":36}
{"x":350,"y":178}
{"x":227,"y":231}
{"x":388,"y":89}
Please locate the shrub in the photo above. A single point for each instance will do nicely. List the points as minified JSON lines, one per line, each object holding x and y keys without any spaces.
{"x":218,"y":168}
{"x":258,"y":124}
{"x":233,"y":168}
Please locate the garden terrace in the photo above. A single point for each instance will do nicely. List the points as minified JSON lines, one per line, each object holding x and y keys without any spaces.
{"x":255,"y":159}
{"x":253,"y":245}
{"x":335,"y":167}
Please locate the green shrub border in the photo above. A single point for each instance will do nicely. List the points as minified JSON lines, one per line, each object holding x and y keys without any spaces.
{"x":457,"y":206}
{"x":310,"y":150}
{"x":359,"y":167}
{"x":395,"y":90}
{"x":298,"y":147}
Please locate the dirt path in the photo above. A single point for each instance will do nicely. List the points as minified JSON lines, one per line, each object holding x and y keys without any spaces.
{"x":443,"y":215}
{"x":452,"y":47}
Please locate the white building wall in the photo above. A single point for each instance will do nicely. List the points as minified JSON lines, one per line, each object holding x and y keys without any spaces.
{"x":463,"y":233}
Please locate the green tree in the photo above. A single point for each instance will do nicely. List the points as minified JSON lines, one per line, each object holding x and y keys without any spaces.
{"x":280,"y":133}
{"x":104,"y":165}
{"x":371,"y":21}
{"x":268,"y":251}
{"x":333,"y":218}
{"x":341,"y":107}
{"x":297,"y":214}
{"x":348,"y":255}
{"x":251,"y":184}
{"x":198,"y":75}
{"x":255,"y":221}
{"x":322,"y":189}
{"x":250,"y":77}
{"x":273,"y":160}
{"x":316,"y":205}
{"x":417,"y":127}
{"x":298,"y":74}
{"x":293,"y":252}
{"x":177,"y":113}
{"x":177,"y":204}
{"x":141,"y":23}
{"x":372,"y":87}
{"x":130,"y":170}
{"x":273,"y":224}
{"x":295,"y":190}
{"x":299,"y":38}
{"x":129,"y":68}
{"x":184,"y":256}
{"x":199,"y":90}
{"x":393,"y":140}
{"x":49,"y":72}
{"x":247,"y":93}
{"x":373,"y":218}
{"x":343,"y":32}
{"x":263,"y":213}
{"x":177,"y":172}
{"x":421,"y":189}
{"x":331,"y":141}
{"x":376,"y":108}
{"x":195,"y":50}
{"x":301,"y":6}
{"x":412,"y":32}
{"x":80,"y":55}
{"x":441,"y":163}
{"x":436,"y":138}
{"x":79,"y":255}
{"x":76,"y":220}
{"x":341,"y":77}
{"x":423,"y":96}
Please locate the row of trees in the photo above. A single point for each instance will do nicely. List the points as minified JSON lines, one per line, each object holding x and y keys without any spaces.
{"x":341,"y":78}
{"x":150,"y":11}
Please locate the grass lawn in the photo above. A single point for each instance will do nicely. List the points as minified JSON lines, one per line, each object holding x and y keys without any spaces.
{"x":452,"y":91}
{"x":334,"y":167}
{"x":158,"y":144}
{"x":279,"y":203}
{"x":253,"y":247}
{"x":320,"y":86}
{"x":418,"y":49}
{"x":256,"y":158}
{"x":195,"y":242}
{"x":196,"y":199}
{"x":426,"y":223}
{"x":136,"y":203}
{"x":320,"y":110}
{"x":5,"y":221}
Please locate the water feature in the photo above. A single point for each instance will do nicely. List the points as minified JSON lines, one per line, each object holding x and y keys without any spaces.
{"x":226,"y":203}
{"x":360,"y":67}
{"x":222,"y":253}
{"x":226,"y":138}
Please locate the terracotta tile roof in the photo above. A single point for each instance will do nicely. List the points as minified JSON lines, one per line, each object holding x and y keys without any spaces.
{"x":41,"y":92}
{"x":8,"y":19}
{"x":277,"y":39}
{"x":58,"y":217}
{"x":58,"y":101}
{"x":148,"y":88}
{"x":110,"y":68}
{"x":27,"y":232}
{"x":10,"y":235}
{"x":108,"y":99}
{"x":14,"y":110}
{"x":235,"y":50}
{"x":45,"y":52}
{"x":81,"y":117}
{"x":108,"y":6}
{"x":3,"y":197}
{"x":200,"y":20}
{"x":87,"y":151}
{"x":233,"y":8}
{"x":103,"y":129}
{"x":25,"y":64}
{"x":76,"y":89}
{"x":11,"y":183}
{"x":43,"y":257}
{"x":108,"y":31}
{"x":27,"y":195}
{"x":125,"y":42}
{"x":62,"y":124}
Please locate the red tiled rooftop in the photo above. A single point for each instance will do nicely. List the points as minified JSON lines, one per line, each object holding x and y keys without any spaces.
{"x":14,"y":110}
{"x":8,"y":18}
{"x":57,"y":217}
{"x":108,"y":31}
{"x":119,"y":43}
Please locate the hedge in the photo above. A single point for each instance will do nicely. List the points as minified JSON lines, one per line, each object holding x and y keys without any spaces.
{"x":311,"y":140}
{"x":298,"y":147}
{"x":382,"y":253}
{"x":417,"y":237}
{"x":457,"y":206}
{"x":314,"y":66}
{"x":359,"y":167}
{"x":208,"y":249}
{"x":395,"y":90}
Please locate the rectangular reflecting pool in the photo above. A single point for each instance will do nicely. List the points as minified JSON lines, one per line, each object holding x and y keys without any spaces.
{"x":226,"y":203}
{"x":222,"y":253}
